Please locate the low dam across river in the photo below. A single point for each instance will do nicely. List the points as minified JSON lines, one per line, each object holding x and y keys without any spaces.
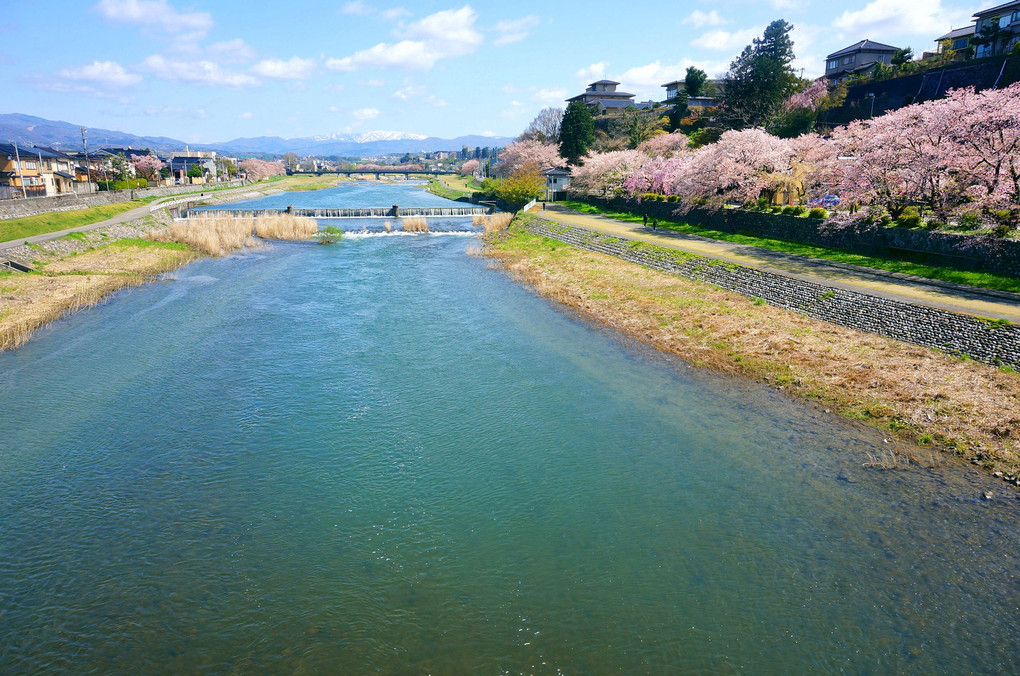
{"x":360,"y":212}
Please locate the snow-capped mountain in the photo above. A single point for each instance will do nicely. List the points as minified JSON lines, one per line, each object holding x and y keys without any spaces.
{"x":371,"y":136}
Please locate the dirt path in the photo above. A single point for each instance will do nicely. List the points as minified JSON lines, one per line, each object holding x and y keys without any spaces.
{"x":944,"y":295}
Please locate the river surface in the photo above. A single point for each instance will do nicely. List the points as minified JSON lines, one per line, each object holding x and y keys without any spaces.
{"x":385,"y":456}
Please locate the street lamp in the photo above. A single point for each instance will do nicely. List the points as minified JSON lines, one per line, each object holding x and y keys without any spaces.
{"x":871,"y":95}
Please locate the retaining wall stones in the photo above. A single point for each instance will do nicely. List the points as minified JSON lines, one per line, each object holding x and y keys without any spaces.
{"x":968,"y":252}
{"x":39,"y":205}
{"x":986,"y":341}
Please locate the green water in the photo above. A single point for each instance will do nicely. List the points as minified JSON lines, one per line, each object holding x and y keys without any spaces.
{"x":384,"y":456}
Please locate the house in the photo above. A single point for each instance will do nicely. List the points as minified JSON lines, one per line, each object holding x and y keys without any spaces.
{"x":27,"y":171}
{"x":957,"y":39}
{"x":858,"y":59}
{"x":556,"y":181}
{"x":181,"y":162}
{"x":603,"y":98}
{"x":677,"y":87}
{"x":1000,"y":28}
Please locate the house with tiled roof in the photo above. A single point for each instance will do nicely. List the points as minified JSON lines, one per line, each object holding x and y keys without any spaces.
{"x":859,"y":58}
{"x":603,"y":98}
{"x":1000,"y":23}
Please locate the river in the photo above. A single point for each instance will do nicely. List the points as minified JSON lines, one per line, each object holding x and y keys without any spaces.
{"x":384,"y":455}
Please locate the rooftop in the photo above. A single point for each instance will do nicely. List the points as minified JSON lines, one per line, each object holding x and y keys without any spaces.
{"x":992,"y":11}
{"x":957,"y":33}
{"x":864,"y":46}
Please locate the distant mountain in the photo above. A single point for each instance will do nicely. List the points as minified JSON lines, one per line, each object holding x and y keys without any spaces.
{"x":29,"y":130}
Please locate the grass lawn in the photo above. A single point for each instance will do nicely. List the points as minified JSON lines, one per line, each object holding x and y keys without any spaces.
{"x":29,"y":226}
{"x":982,"y":280}
{"x":457,"y":187}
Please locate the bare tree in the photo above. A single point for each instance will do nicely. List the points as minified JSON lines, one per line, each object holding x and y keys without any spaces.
{"x":545,"y":128}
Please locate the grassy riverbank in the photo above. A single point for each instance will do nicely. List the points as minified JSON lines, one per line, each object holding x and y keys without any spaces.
{"x":981,"y":280}
{"x":65,"y":284}
{"x":54,"y":221}
{"x":952,"y":408}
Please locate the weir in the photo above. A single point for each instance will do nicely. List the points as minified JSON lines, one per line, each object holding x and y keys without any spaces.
{"x":362,"y":212}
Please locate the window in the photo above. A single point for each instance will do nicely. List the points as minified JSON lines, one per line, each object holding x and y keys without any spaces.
{"x":960,"y":43}
{"x":1015,"y":17}
{"x":830,"y":65}
{"x":848,"y":59}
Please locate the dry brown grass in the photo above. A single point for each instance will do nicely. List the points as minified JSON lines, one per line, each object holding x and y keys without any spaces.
{"x":414,"y":224}
{"x":285,"y":226}
{"x":387,"y":226}
{"x":961,"y":407}
{"x":493,"y":222}
{"x":72,"y":283}
{"x":220,"y":235}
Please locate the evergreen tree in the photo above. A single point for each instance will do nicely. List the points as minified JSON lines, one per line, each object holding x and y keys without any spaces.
{"x":694,"y":82}
{"x":760,"y":79}
{"x":577,"y":132}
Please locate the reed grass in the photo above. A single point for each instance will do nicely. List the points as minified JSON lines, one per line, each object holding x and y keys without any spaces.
{"x":492,"y":222}
{"x":414,"y":224}
{"x":223,"y":234}
{"x":388,"y":226}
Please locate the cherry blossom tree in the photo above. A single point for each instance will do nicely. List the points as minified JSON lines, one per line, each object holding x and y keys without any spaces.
{"x":470,"y":168}
{"x":604,"y":173}
{"x":520,"y":154}
{"x":666,"y":145}
{"x":148,"y":166}
{"x":807,"y":98}
{"x":256,"y":169}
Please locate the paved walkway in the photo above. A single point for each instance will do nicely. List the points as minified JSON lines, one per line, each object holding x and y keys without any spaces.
{"x":139,"y":212}
{"x":893,"y":285}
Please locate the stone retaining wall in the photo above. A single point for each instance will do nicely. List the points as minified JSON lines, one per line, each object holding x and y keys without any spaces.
{"x":968,"y":252}
{"x":71,"y":201}
{"x":986,"y":341}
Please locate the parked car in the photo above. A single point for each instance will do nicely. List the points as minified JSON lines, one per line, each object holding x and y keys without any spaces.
{"x":827,"y":201}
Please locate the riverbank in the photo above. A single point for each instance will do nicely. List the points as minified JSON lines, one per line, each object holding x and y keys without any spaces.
{"x":78,"y":271}
{"x":951,"y":408}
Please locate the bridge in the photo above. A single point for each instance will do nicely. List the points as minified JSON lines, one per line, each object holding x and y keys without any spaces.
{"x":350,"y":172}
{"x":362,"y":212}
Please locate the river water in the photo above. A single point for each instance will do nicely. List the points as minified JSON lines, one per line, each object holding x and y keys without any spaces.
{"x":385,"y":456}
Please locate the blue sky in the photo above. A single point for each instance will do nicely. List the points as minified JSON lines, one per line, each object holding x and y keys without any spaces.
{"x":214,"y":71}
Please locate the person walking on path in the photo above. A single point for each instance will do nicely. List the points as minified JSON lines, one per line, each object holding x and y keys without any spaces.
{"x":655,"y":223}
{"x":644,"y":220}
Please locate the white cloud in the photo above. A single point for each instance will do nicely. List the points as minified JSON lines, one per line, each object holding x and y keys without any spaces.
{"x":197,"y":72}
{"x":409,"y":92}
{"x":699,"y":19}
{"x":103,"y":75}
{"x":729,"y":41}
{"x":333,"y":88}
{"x":231,"y":51}
{"x":156,"y":13}
{"x":551,"y":97}
{"x":373,"y":83}
{"x":364,"y":114}
{"x":596,"y":71}
{"x":357,"y":8}
{"x":442,"y":35}
{"x":294,"y":69}
{"x":394,"y":13}
{"x":516,"y":30}
{"x":244,"y":116}
{"x":900,"y":17}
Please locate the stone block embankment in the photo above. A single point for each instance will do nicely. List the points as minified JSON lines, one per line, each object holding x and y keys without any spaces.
{"x":967,"y":252}
{"x":983,"y":340}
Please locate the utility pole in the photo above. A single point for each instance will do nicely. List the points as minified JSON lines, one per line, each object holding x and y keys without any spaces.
{"x":17,"y":163}
{"x":88,"y":166}
{"x":42,"y":177}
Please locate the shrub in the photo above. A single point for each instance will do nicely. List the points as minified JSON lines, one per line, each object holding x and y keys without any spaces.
{"x":790,"y":211}
{"x":968,"y":221}
{"x":878,"y":215}
{"x":818,"y":212}
{"x":910,"y":218}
